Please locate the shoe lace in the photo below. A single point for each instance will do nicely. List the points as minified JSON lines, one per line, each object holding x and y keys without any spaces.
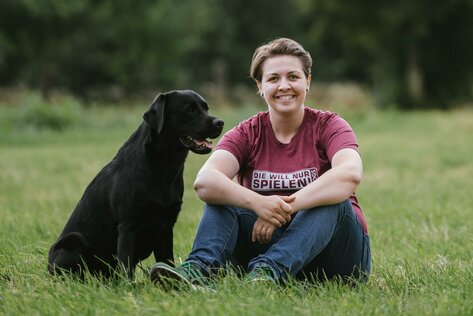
{"x":193,"y":273}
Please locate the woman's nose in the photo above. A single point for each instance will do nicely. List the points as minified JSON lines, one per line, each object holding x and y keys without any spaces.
{"x":284,"y":84}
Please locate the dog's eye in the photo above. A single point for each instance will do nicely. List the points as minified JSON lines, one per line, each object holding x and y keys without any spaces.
{"x":191,"y":109}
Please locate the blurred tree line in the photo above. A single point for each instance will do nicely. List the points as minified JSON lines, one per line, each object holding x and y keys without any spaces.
{"x":410,"y":53}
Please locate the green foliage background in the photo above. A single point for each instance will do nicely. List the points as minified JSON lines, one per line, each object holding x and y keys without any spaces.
{"x":410,"y":53}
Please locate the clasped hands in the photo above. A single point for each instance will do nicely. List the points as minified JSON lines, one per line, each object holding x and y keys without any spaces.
{"x":274,"y":211}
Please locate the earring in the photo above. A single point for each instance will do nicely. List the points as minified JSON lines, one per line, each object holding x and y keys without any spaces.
{"x":307,"y":90}
{"x":261,"y":94}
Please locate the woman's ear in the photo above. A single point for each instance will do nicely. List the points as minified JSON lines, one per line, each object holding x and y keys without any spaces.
{"x":260,"y":92}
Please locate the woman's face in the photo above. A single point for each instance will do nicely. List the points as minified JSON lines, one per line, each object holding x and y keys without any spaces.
{"x":284,"y":83}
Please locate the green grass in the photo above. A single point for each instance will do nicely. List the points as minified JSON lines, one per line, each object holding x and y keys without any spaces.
{"x":416,"y":194}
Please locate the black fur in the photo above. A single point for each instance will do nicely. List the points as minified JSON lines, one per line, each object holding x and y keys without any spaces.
{"x":131,"y":206}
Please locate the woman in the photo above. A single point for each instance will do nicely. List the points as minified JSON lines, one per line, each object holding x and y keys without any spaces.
{"x":293,"y":212}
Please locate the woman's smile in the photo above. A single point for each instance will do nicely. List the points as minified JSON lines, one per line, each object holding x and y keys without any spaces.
{"x":285,"y":97}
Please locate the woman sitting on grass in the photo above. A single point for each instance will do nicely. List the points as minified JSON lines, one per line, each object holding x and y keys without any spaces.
{"x":293,"y":213}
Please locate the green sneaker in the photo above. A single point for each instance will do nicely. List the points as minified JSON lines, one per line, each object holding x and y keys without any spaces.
{"x":187,"y":275}
{"x":262,"y":273}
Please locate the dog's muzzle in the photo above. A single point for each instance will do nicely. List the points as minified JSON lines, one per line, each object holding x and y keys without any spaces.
{"x":203,"y":145}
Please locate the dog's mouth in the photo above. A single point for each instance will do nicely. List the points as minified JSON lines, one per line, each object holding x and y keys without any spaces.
{"x":198,"y":146}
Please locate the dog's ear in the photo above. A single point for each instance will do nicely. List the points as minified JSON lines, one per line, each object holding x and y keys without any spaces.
{"x":154,"y":116}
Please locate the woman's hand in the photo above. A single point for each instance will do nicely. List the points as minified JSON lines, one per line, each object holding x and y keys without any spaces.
{"x":262,"y":231}
{"x":274,"y":209}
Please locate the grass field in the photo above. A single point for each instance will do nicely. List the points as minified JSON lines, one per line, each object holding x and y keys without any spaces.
{"x":416,"y":195}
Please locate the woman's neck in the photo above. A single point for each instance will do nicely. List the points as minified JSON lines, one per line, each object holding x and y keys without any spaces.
{"x":286,"y":125}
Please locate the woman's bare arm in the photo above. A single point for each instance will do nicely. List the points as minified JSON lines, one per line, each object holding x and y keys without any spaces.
{"x":335,"y":185}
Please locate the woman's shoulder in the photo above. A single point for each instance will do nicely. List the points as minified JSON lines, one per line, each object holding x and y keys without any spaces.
{"x":319,"y":117}
{"x":257,"y":118}
{"x":249,"y":128}
{"x":321,"y":114}
{"x":240,"y":138}
{"x":254,"y":122}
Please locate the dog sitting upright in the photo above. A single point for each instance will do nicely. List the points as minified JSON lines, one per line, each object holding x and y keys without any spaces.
{"x":130,"y":208}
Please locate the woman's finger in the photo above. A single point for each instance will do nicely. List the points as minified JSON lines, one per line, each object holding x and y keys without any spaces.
{"x":279,"y":222}
{"x":268,"y":234}
{"x":262,"y":236}
{"x":254,"y":233}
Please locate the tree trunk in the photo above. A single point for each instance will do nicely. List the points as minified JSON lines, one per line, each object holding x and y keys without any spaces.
{"x":414,"y":76}
{"x":47,"y":79}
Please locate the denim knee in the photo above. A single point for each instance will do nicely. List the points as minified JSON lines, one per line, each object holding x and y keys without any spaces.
{"x":218,"y":234}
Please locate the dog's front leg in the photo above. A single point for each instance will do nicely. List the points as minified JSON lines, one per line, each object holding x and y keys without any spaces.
{"x":126,"y":249}
{"x":163,"y":250}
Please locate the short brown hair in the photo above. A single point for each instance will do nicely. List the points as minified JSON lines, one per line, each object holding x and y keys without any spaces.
{"x":279,"y":46}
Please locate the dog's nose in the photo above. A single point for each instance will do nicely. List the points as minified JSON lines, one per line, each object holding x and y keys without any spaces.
{"x":218,"y":122}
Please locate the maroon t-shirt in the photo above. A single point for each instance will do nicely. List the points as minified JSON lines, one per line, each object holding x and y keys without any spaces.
{"x":269,"y":167}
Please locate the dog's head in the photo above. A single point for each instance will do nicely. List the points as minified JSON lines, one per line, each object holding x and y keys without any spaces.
{"x":184,"y":114}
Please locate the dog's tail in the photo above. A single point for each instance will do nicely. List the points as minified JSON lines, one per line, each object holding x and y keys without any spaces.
{"x":69,"y":253}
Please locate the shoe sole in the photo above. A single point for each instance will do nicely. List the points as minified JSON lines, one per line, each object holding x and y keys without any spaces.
{"x":256,"y":280}
{"x":261,"y":280}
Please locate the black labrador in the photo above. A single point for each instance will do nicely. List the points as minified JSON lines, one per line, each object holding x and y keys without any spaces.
{"x":130,"y":208}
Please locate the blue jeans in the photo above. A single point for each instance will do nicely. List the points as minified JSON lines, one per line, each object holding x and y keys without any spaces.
{"x":318,"y":244}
